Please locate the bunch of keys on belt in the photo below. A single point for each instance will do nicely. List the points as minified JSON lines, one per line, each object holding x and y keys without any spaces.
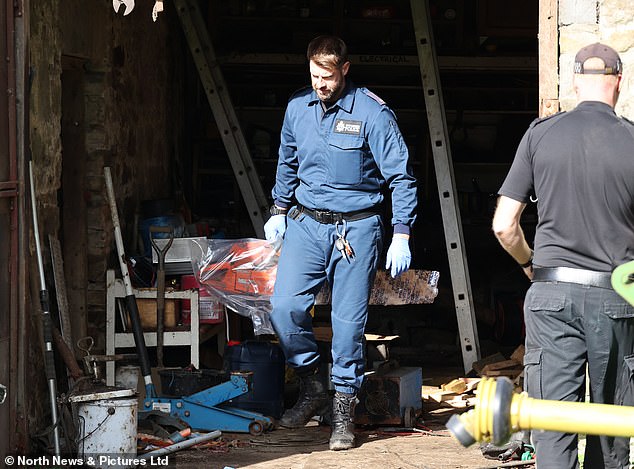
{"x":342,"y":244}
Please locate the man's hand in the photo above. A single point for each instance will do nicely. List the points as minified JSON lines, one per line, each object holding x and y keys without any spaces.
{"x":398,"y":256}
{"x":275,"y":227}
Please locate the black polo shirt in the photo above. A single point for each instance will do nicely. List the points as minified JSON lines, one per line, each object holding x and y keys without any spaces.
{"x":580,"y":166}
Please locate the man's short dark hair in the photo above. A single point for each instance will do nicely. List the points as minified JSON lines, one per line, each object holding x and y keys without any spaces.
{"x":332,"y":46}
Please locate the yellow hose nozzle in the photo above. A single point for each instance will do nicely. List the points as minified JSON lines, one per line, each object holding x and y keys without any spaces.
{"x":500,"y":412}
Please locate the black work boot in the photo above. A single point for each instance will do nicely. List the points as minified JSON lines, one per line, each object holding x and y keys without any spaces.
{"x":313,"y":400}
{"x":342,"y":436}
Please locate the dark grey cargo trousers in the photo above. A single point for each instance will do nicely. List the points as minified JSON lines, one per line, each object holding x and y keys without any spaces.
{"x":569,"y":326}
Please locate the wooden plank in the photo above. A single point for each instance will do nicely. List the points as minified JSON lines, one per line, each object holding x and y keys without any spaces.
{"x":380,"y":338}
{"x":480,"y":364}
{"x":518,"y":354}
{"x":60,"y":291}
{"x":426,"y":391}
{"x":393,"y":60}
{"x":509,"y":372}
{"x":442,"y":396}
{"x":323,"y":333}
{"x":456,"y":385}
{"x":412,"y":287}
{"x":460,"y":402}
{"x":548,"y":44}
{"x":500,"y":366}
{"x":471,"y":383}
{"x":74,"y":215}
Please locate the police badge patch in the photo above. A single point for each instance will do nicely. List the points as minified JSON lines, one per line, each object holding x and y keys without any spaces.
{"x":348,"y":127}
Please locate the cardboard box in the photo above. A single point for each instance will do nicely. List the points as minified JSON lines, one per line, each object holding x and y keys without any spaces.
{"x":147,"y":312}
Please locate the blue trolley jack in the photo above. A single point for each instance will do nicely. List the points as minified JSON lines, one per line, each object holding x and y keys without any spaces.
{"x":205,"y":411}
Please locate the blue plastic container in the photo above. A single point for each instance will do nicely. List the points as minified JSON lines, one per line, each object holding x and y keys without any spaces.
{"x":175,"y":221}
{"x":266,"y":361}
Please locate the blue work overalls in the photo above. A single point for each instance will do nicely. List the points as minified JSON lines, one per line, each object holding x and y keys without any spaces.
{"x":340,"y":160}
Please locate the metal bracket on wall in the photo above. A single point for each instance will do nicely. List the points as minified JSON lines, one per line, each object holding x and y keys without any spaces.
{"x":445,"y":180}
{"x":213,"y":82}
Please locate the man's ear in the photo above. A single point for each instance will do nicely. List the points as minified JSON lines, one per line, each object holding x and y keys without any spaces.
{"x":344,"y":68}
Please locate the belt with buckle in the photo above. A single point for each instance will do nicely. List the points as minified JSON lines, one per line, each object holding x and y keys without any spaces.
{"x":328,"y":218}
{"x":569,"y":275}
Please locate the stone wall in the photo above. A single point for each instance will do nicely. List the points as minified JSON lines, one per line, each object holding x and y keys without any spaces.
{"x":582,"y":22}
{"x":130,"y":120}
{"x":45,"y":109}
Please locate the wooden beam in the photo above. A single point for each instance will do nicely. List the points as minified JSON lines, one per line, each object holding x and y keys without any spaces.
{"x":74,"y":211}
{"x":548,"y":42}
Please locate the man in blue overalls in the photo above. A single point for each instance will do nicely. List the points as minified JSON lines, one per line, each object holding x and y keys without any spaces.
{"x":340,"y":148}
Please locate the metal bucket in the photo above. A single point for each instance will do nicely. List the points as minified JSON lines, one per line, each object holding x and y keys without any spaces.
{"x":107,"y":428}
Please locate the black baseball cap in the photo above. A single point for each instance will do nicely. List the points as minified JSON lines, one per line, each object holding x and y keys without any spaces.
{"x":611,"y":60}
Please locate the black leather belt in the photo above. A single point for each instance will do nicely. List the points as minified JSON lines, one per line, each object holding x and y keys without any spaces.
{"x":328,"y":218}
{"x":570,"y":275}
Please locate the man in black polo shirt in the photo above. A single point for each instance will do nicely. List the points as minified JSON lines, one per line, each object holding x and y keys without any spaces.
{"x":579,"y":166}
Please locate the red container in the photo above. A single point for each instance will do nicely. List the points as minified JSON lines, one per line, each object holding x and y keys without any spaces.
{"x":210,"y":310}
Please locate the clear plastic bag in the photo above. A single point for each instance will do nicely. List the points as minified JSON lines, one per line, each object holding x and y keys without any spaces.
{"x":241,"y":274}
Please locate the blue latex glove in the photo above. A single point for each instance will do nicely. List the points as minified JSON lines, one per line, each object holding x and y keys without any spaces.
{"x":398,"y":256}
{"x":275,"y":227}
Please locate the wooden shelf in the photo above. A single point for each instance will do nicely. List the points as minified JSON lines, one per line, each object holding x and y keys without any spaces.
{"x":456,"y":63}
{"x":181,"y":336}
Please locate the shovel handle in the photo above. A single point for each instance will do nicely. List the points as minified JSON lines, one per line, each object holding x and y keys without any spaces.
{"x":161,"y":229}
{"x":160,"y":315}
{"x":160,"y":286}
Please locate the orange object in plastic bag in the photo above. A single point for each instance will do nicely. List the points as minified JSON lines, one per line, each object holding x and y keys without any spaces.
{"x":240,"y":273}
{"x":236,"y":281}
{"x":248,"y":268}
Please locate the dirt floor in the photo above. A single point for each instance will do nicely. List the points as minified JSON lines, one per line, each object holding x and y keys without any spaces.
{"x":433,"y":447}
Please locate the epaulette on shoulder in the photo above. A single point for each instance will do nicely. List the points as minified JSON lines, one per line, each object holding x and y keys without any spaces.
{"x":540,"y":120}
{"x":369,"y":93}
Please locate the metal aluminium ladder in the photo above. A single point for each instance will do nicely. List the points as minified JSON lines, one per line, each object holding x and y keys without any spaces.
{"x":465,"y":312}
{"x":217,"y":93}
